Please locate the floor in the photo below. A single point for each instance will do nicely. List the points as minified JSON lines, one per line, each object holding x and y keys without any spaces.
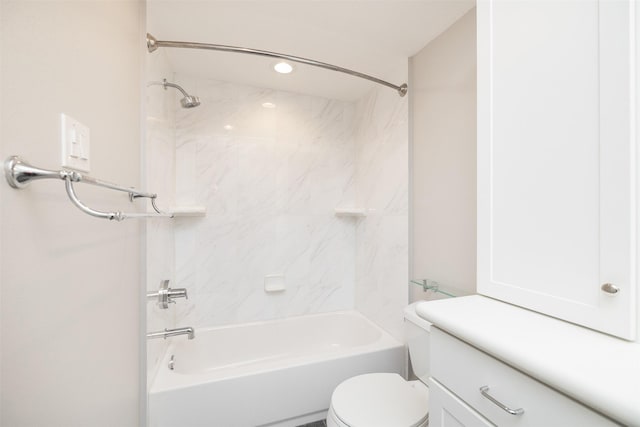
{"x":322,"y":423}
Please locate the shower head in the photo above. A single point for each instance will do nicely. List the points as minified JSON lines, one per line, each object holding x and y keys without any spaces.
{"x":189,"y":101}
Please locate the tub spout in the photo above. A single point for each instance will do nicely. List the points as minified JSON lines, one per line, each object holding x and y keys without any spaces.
{"x":188,"y":331}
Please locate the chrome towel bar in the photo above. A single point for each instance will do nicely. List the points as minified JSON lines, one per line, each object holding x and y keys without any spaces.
{"x":20,"y":173}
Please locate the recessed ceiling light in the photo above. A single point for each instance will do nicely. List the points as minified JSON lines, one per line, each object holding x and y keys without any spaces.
{"x":283,"y":67}
{"x":228,"y":127}
{"x":268,"y":105}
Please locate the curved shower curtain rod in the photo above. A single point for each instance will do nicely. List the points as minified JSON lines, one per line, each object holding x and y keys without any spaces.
{"x":153,"y":44}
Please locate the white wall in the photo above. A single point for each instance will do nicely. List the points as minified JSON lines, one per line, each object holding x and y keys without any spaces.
{"x":443,"y":93}
{"x":1,"y":204}
{"x":637,"y":110}
{"x":70,"y":282}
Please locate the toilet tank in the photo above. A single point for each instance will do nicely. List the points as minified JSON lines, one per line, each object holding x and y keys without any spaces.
{"x":417,"y":332}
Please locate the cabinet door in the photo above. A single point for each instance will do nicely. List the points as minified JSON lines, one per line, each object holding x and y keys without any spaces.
{"x":556,"y":158}
{"x":446,"y":410}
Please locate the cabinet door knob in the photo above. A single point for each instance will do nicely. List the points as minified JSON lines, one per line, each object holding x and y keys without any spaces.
{"x":610,"y":288}
{"x":484,"y":390}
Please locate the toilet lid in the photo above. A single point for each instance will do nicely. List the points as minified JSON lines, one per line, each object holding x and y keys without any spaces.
{"x":380,"y":400}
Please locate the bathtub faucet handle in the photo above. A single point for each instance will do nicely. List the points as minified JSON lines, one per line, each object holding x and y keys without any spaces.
{"x":166,"y":295}
{"x":177,"y":293}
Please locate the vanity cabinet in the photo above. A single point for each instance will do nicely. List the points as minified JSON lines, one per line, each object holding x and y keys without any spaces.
{"x":460,"y":374}
{"x":446,"y":410}
{"x":557,"y":159}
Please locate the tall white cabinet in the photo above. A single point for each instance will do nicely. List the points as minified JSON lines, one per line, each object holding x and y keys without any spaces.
{"x":557,"y":159}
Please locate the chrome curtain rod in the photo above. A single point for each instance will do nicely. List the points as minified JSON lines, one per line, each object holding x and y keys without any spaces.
{"x":20,"y":173}
{"x":153,"y":44}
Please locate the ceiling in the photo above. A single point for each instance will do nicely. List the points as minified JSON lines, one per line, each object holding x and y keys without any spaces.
{"x":372,"y":37}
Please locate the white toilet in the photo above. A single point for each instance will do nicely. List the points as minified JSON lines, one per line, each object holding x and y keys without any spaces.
{"x":388,"y":400}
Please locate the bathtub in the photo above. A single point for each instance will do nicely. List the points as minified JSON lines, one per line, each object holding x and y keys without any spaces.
{"x":273,"y":373}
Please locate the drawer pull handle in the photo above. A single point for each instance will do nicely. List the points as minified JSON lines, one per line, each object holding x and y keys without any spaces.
{"x":485,"y":392}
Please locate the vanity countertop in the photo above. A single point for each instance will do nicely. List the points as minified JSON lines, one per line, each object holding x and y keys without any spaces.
{"x":599,"y":370}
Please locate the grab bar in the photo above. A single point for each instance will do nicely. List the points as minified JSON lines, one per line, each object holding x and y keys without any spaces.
{"x":20,"y":173}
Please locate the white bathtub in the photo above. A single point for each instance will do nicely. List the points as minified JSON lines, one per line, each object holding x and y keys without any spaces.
{"x":275,"y":373}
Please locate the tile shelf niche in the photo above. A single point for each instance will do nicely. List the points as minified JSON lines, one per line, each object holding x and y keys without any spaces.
{"x":188,"y":211}
{"x":350,"y":212}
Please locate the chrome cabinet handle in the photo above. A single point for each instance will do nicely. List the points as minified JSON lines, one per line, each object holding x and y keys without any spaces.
{"x":485,"y":392}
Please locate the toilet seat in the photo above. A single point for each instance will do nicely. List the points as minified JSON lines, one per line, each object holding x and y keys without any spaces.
{"x":379,"y":400}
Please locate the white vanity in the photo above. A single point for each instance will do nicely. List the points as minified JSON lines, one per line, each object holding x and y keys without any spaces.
{"x":543,"y":371}
{"x":553,"y":341}
{"x":557,"y":158}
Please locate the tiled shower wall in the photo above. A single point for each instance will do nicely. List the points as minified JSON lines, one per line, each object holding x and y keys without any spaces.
{"x":159,"y":155}
{"x":382,"y":182}
{"x":270,"y":179}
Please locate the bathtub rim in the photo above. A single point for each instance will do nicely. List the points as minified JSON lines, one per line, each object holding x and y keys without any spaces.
{"x":167,"y":380}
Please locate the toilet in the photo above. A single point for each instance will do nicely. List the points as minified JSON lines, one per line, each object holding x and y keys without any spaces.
{"x":384,"y":399}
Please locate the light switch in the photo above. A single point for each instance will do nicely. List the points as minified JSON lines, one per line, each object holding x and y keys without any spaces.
{"x":75,"y":141}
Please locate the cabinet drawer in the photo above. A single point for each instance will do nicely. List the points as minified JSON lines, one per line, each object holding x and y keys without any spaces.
{"x":446,"y":410}
{"x":463,"y":370}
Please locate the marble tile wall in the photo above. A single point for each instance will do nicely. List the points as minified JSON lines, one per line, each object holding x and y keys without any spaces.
{"x":382,"y":188}
{"x":159,"y":177}
{"x":270,"y":179}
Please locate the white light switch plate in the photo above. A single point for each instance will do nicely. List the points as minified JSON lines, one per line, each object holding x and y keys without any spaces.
{"x":75,"y":141}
